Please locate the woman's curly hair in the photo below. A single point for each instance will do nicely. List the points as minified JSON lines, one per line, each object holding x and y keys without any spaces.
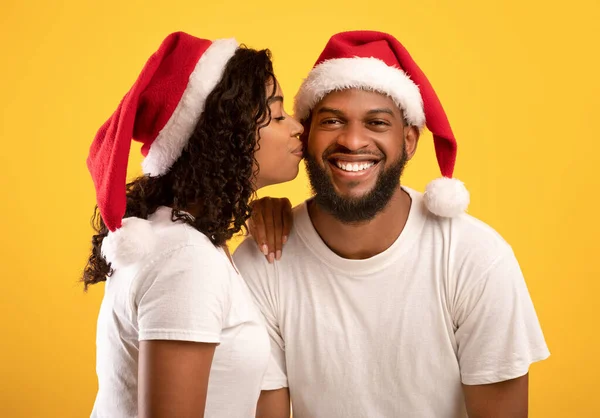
{"x":215,"y":171}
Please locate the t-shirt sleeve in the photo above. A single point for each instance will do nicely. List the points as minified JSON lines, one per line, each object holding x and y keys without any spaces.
{"x":498,"y":333}
{"x":182,"y":296}
{"x":263,"y":283}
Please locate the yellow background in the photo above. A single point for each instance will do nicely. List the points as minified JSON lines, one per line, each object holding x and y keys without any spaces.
{"x":518,"y":79}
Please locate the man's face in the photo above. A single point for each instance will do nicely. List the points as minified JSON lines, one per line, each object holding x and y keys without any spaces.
{"x":358,"y":145}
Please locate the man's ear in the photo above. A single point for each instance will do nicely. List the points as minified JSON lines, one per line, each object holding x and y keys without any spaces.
{"x":411,"y":140}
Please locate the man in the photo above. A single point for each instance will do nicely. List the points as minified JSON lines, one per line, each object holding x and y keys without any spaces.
{"x":386,"y":302}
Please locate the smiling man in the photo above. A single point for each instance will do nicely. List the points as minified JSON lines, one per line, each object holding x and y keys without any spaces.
{"x":388,"y":302}
{"x":355,"y":159}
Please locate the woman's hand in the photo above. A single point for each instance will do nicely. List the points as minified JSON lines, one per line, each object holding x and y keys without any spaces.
{"x":270,"y":225}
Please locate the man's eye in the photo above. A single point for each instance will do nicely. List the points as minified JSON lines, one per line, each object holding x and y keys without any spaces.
{"x":378,"y":123}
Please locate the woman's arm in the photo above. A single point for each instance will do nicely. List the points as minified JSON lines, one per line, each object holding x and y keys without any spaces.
{"x":274,"y":404}
{"x":173,"y":378}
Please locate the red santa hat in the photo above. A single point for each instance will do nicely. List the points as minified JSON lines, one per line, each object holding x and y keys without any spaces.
{"x":377,"y":61}
{"x":160,"y":111}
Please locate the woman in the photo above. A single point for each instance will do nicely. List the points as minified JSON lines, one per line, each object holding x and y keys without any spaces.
{"x":178,"y":334}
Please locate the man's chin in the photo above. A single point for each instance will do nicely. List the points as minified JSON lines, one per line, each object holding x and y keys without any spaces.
{"x":352,"y":195}
{"x":353,"y":190}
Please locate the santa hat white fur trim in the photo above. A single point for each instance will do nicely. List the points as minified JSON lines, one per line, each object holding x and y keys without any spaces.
{"x":132,"y":242}
{"x":172,"y":139}
{"x":446,"y":197}
{"x":363,"y":73}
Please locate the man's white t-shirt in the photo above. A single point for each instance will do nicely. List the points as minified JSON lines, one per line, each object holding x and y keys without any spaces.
{"x":397,"y":334}
{"x":186,"y":290}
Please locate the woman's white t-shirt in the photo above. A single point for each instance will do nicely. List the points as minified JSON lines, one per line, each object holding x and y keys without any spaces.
{"x":185,"y":290}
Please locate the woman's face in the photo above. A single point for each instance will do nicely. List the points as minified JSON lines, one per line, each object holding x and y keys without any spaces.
{"x":279,"y":148}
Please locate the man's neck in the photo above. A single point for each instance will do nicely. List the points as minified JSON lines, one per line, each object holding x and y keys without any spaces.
{"x":365,"y":239}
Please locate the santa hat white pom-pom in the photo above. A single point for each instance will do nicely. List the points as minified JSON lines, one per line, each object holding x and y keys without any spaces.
{"x":446,"y":197}
{"x":130,"y":243}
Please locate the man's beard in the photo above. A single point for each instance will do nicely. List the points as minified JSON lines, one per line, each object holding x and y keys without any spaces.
{"x":354,"y":209}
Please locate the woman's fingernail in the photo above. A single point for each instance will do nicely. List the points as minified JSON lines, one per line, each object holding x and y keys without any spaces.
{"x":278,"y":254}
{"x":271,"y":258}
{"x":264,"y":249}
{"x":284,"y":239}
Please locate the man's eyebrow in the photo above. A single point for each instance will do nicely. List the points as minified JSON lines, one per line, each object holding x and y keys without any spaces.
{"x":381,"y":110}
{"x":339,"y":113}
{"x":336,"y":112}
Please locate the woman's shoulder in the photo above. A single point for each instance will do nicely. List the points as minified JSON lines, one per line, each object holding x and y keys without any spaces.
{"x":171,"y":234}
{"x":147,"y":241}
{"x":181,"y":251}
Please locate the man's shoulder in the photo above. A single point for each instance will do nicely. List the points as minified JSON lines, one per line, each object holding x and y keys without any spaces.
{"x":300,"y":214}
{"x":471,"y":227}
{"x":247,"y":251}
{"x":464,"y":231}
{"x":473,"y":238}
{"x":250,"y":259}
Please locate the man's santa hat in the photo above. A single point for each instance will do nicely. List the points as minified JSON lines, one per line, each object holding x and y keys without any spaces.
{"x":160,"y":111}
{"x":376,"y":61}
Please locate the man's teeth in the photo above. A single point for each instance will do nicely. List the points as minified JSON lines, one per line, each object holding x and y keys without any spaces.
{"x":354,"y":166}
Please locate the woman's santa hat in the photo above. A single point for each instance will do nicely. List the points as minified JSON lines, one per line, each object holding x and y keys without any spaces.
{"x":160,"y":111}
{"x":376,"y":61}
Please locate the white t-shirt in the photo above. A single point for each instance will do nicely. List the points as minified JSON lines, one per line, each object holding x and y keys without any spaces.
{"x":394,"y":335}
{"x":186,"y":290}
